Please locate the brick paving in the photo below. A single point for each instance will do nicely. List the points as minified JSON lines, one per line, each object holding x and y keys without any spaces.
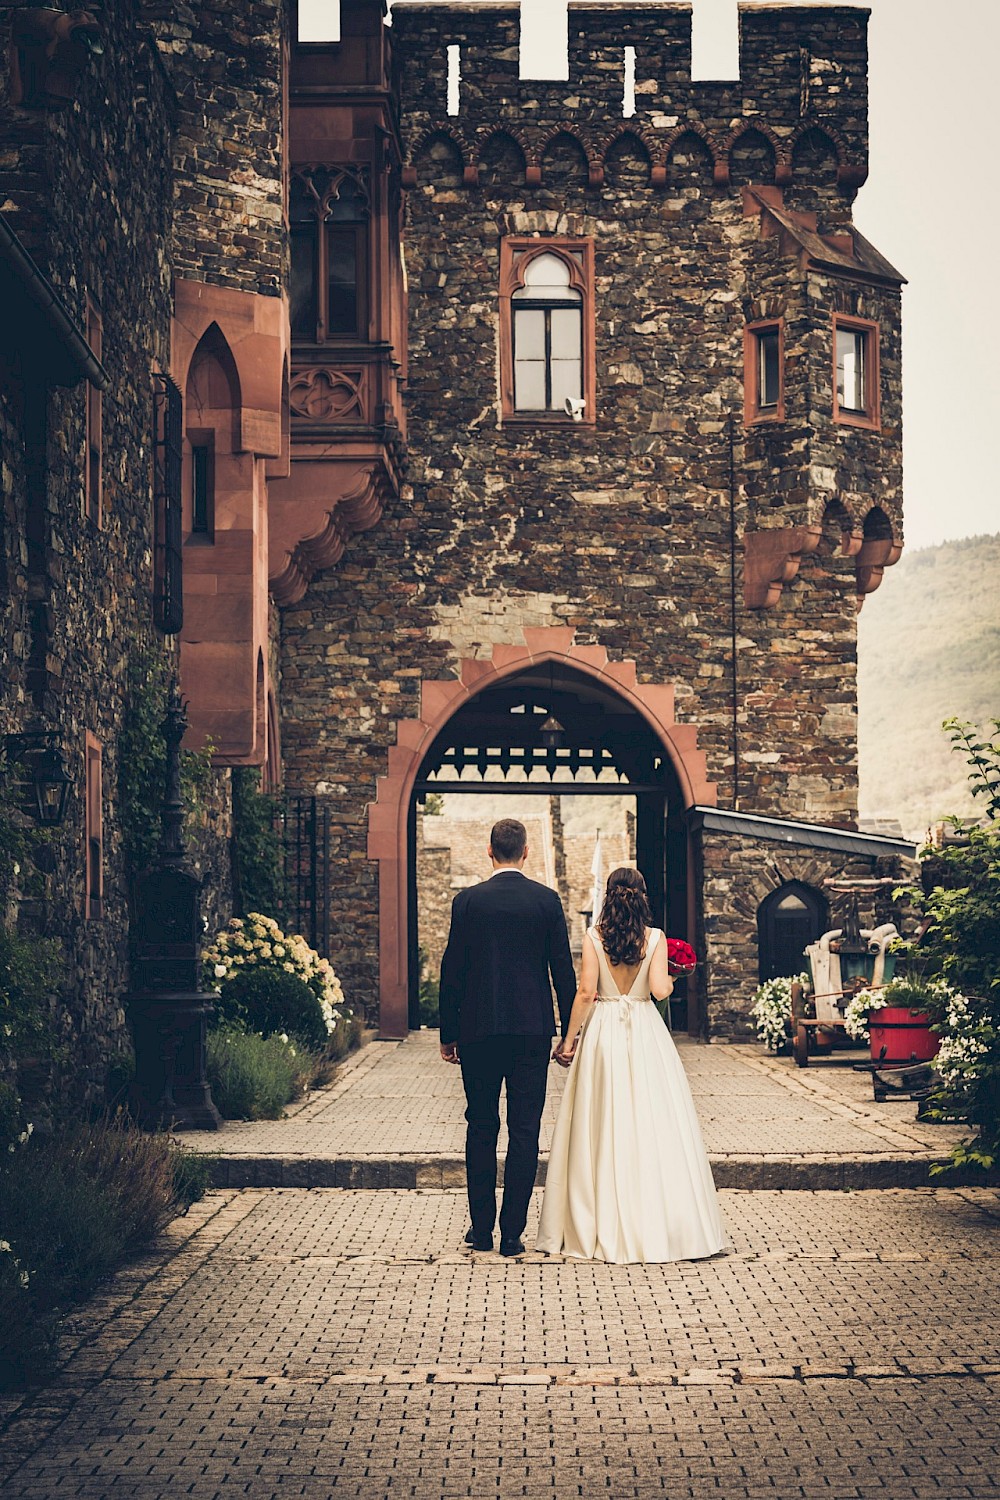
{"x":328,"y":1342}
{"x":393,"y":1118}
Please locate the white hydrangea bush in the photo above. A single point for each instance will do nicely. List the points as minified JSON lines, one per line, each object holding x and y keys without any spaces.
{"x":258,"y":940}
{"x":772,"y":1010}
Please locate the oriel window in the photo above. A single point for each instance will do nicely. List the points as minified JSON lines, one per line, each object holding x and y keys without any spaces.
{"x":856,"y":380}
{"x":328,"y":220}
{"x":546,"y":330}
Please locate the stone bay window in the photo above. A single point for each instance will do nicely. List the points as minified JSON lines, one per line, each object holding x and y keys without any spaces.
{"x":546,"y":329}
{"x":328,"y":214}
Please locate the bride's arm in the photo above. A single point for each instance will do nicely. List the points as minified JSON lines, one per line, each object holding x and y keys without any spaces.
{"x":584,"y":999}
{"x":660,"y":981}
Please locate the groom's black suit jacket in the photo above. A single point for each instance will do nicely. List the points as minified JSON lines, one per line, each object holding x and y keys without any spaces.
{"x":508,"y":934}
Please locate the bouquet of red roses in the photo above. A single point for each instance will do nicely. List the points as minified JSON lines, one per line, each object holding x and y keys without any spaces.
{"x":681,"y":957}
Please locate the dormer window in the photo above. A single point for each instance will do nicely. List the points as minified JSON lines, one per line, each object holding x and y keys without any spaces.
{"x":546,"y":330}
{"x":328,"y":221}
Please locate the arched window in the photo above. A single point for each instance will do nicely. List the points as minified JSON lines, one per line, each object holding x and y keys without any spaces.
{"x":787,"y":921}
{"x":328,"y":222}
{"x":548,"y":337}
{"x":546,"y":302}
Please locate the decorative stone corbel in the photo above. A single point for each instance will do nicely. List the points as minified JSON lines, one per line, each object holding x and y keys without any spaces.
{"x":870,"y":562}
{"x":771,"y":559}
{"x":49,"y":50}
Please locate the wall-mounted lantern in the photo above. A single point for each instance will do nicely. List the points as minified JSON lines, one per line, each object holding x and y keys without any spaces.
{"x":50,"y":781}
{"x":49,"y":49}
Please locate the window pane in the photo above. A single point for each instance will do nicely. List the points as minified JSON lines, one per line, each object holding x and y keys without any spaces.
{"x":546,"y":278}
{"x":768,"y":369}
{"x":529,"y":385}
{"x":302,"y":288}
{"x":348,"y":205}
{"x":851,"y":375}
{"x":566,"y":332}
{"x":529,"y":333}
{"x":567,"y":380}
{"x":342,"y":304}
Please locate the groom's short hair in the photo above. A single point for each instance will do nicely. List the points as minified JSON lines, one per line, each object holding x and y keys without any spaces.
{"x":507,"y":840}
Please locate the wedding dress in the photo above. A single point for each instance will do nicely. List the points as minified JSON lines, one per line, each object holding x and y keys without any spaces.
{"x":628,"y":1177}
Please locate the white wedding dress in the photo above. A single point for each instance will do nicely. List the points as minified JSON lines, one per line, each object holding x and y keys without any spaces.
{"x":628,"y":1177}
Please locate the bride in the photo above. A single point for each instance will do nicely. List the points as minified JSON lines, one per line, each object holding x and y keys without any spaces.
{"x":628,"y":1177}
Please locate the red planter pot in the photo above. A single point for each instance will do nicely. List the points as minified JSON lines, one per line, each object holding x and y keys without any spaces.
{"x":905,"y":1034}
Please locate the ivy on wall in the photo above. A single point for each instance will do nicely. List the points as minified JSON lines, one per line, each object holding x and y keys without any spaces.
{"x":258,"y":857}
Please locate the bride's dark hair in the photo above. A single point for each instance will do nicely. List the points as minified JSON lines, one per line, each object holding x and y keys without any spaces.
{"x":624,"y":917}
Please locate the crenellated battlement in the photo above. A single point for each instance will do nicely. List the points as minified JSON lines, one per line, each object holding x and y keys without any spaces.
{"x":803,"y":73}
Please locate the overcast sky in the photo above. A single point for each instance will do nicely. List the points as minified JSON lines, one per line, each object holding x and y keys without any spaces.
{"x":930,"y":206}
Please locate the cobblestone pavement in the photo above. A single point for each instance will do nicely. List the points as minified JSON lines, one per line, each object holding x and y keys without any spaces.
{"x":394,"y":1117}
{"x":326,"y":1343}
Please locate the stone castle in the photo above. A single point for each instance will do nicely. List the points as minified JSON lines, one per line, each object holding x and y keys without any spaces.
{"x":441,"y":426}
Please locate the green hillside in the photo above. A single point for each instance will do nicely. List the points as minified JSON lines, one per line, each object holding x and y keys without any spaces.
{"x":928,"y":647}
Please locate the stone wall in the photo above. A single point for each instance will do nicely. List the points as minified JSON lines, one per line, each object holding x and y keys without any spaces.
{"x":632,"y":531}
{"x":737,"y":874}
{"x":91,"y":187}
{"x":226,"y":66}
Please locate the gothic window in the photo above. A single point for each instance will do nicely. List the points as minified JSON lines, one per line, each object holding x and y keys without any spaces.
{"x":787,"y":921}
{"x":168,"y":595}
{"x":764,"y":371}
{"x":855,"y":371}
{"x":328,"y":221}
{"x":93,"y":478}
{"x":93,"y":829}
{"x":546,"y":330}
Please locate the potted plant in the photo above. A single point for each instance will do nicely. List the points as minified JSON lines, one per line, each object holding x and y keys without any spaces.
{"x":772,"y":1011}
{"x":896,"y":1019}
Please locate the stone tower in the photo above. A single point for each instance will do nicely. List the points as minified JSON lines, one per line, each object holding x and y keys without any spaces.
{"x":697,"y":537}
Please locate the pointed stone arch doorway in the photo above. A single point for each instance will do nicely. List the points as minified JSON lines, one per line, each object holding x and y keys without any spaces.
{"x":615,"y":725}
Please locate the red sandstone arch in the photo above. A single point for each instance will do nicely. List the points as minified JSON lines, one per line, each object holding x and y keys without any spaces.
{"x":440,"y":700}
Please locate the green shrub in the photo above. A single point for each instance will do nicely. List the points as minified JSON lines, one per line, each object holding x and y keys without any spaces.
{"x":254,"y":1077}
{"x":346,"y":1036}
{"x":73,"y":1208}
{"x":192,"y":1171}
{"x":269,"y":1001}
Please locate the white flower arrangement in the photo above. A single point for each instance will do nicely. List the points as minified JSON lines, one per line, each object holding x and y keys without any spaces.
{"x":259,"y":940}
{"x":772,"y":1010}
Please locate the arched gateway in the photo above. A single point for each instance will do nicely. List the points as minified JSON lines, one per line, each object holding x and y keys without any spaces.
{"x":485,"y":717}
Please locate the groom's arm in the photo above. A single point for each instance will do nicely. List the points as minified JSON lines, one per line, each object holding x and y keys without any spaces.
{"x":561,"y":964}
{"x":453,"y":971}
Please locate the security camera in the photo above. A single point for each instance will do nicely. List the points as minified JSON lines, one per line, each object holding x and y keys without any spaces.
{"x":574,"y":407}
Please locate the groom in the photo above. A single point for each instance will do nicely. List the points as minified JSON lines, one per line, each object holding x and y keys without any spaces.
{"x":507,"y":936}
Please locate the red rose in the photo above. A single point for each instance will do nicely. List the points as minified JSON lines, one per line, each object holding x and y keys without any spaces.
{"x":681,"y":957}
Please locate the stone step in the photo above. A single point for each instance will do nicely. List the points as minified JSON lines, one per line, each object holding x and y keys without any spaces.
{"x":757,"y":1172}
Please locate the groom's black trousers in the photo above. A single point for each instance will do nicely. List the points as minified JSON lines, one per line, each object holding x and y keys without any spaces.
{"x":522,"y":1063}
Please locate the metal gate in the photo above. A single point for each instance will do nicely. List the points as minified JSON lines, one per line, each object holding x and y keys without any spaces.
{"x":306,"y":839}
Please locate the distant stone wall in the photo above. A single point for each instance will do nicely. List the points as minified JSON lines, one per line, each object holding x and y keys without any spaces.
{"x":737,"y":873}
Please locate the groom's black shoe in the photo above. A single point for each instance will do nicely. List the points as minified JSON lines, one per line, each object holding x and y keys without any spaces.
{"x":512,"y":1247}
{"x":479,"y":1241}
